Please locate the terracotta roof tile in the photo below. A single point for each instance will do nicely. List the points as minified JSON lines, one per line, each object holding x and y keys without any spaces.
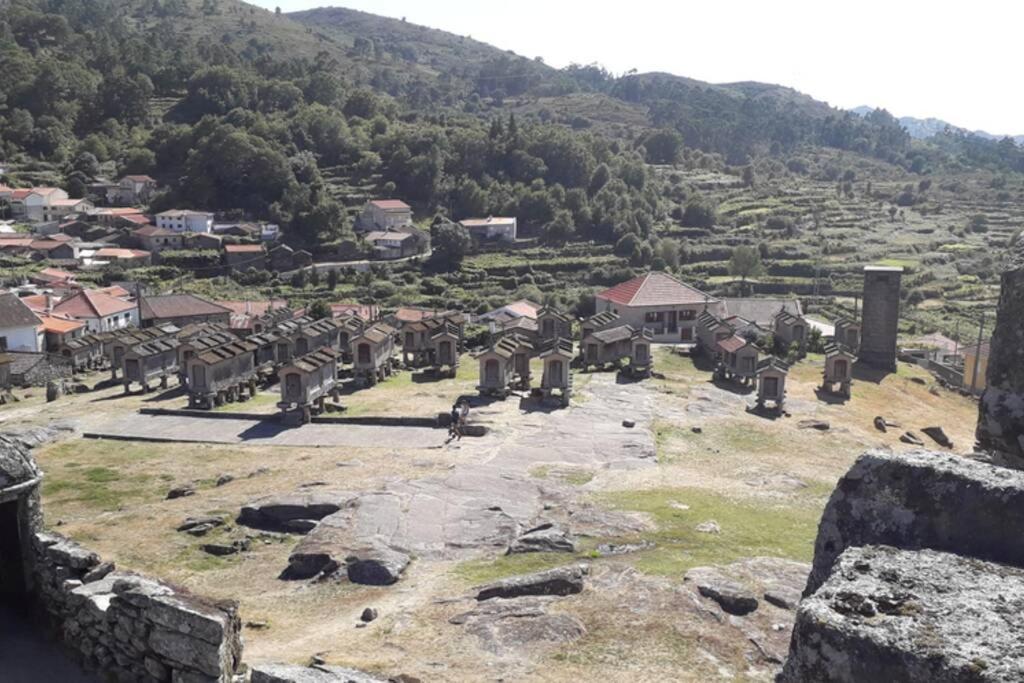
{"x":655,"y":289}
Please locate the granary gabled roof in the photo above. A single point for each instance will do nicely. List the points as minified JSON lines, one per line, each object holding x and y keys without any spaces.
{"x":601,"y":319}
{"x":226,"y":352}
{"x":315,"y":360}
{"x":83,"y":342}
{"x":732,"y":344}
{"x":523,"y":324}
{"x":772,"y":363}
{"x":843,"y":321}
{"x":643,"y":333}
{"x":375,"y":333}
{"x":553,"y":313}
{"x":834,"y":349}
{"x":155,"y":346}
{"x":613,"y":334}
{"x":210,"y":341}
{"x":178,"y":306}
{"x":263,"y":338}
{"x":320,"y":326}
{"x":786,"y":317}
{"x":133,"y":335}
{"x":655,"y":289}
{"x":557,"y":347}
{"x":448,"y":329}
{"x":391,"y":205}
{"x":500,"y":348}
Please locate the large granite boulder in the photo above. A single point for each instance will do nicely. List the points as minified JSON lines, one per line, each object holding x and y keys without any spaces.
{"x":1001,"y":410}
{"x":16,"y":465}
{"x":915,"y":616}
{"x":558,"y":581}
{"x":922,"y":500}
{"x":293,"y":512}
{"x":546,"y":538}
{"x":732,"y":596}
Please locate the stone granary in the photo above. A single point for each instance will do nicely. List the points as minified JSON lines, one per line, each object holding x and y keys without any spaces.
{"x":5,"y":374}
{"x":306,"y":382}
{"x":710,"y":331}
{"x":1001,"y":410}
{"x":553,"y":324}
{"x":838,"y":369}
{"x":496,"y":368}
{"x":351,"y":326}
{"x":189,"y":348}
{"x":599,"y":321}
{"x":738,"y":359}
{"x":790,"y":329}
{"x":148,"y":361}
{"x":444,"y":349}
{"x":880,"y":317}
{"x":118,"y":343}
{"x":84,"y":353}
{"x":315,"y":335}
{"x":641,"y":361}
{"x":771,"y":382}
{"x":556,"y":355}
{"x":847,"y":333}
{"x":416,"y":346}
{"x":287,"y":331}
{"x":522,"y":352}
{"x":609,"y":346}
{"x":122,"y":625}
{"x":265,"y":353}
{"x":373,"y":354}
{"x":223,"y":373}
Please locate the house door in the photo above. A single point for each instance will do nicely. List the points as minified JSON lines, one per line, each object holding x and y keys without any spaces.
{"x":673,"y":321}
{"x":445,"y":353}
{"x":491,"y":372}
{"x":12,"y":567}
{"x":686,"y":334}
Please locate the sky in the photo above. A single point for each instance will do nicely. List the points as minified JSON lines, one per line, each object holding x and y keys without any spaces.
{"x":959,"y":62}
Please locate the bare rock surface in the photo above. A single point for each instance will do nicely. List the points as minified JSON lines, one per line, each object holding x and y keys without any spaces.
{"x":546,"y":538}
{"x":739,"y":587}
{"x":16,"y":465}
{"x":922,"y":499}
{"x":320,"y":673}
{"x":732,"y":596}
{"x":558,"y":581}
{"x":918,"y":616}
{"x":504,"y":626}
{"x":281,"y":512}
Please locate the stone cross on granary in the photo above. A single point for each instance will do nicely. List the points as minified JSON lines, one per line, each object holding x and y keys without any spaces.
{"x":1001,"y":411}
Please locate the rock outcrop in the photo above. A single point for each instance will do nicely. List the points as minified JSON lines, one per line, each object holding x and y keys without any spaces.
{"x":321,"y":673}
{"x":922,"y":500}
{"x":507,"y":626}
{"x":1001,"y":410}
{"x":886,"y":614}
{"x":558,"y":581}
{"x":295,"y":512}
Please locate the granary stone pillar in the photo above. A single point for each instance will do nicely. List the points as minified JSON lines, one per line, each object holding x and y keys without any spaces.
{"x":1001,"y":411}
{"x":880,"y":317}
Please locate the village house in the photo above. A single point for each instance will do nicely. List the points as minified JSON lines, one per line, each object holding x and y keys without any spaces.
{"x":42,"y":204}
{"x":20,"y":328}
{"x":245,"y":256}
{"x":185,"y":221}
{"x":100,"y":312}
{"x":660,"y":303}
{"x":524,"y":308}
{"x":58,"y":330}
{"x":491,"y":229}
{"x":131,"y":190}
{"x":203,"y":240}
{"x":155,"y":239}
{"x":181,"y":310}
{"x":54,"y":250}
{"x":391,"y":244}
{"x":253,"y":317}
{"x":53,"y":277}
{"x":128,"y":258}
{"x":384,"y":215}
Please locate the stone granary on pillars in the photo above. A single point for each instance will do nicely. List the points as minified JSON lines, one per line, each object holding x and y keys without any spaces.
{"x":710,"y":330}
{"x":609,"y":346}
{"x":416,"y":347}
{"x":496,"y":368}
{"x":847,"y":333}
{"x":20,"y":518}
{"x":444,"y":349}
{"x":120,"y":341}
{"x":264,"y":354}
{"x":315,"y":335}
{"x":556,"y":355}
{"x":84,"y":353}
{"x":599,"y":321}
{"x":771,"y":382}
{"x":351,"y":326}
{"x":790,"y":329}
{"x":553,"y":324}
{"x":5,"y":375}
{"x":287,"y":331}
{"x":641,"y":362}
{"x":522,"y":352}
{"x":189,"y":348}
{"x":222,"y":374}
{"x":306,"y":382}
{"x":880,"y":317}
{"x":1001,"y":409}
{"x":373,"y":354}
{"x":838,"y":369}
{"x":149,"y":361}
{"x":738,"y":359}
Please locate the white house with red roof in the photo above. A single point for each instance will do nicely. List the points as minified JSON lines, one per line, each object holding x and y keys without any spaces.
{"x":42,"y":204}
{"x":661,"y":303}
{"x":131,"y":190}
{"x":99,"y":311}
{"x":491,"y":229}
{"x":20,"y":328}
{"x":384,"y":215}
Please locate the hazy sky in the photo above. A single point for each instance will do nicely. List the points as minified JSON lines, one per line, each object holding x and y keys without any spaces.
{"x":956,"y":61}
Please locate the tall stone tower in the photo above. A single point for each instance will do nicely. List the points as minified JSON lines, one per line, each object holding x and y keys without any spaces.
{"x":1001,"y":410}
{"x":880,"y":317}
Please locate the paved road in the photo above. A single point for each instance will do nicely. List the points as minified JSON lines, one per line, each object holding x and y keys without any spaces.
{"x":26,"y":657}
{"x":263,"y":433}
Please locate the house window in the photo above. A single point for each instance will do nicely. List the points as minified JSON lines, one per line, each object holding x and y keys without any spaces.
{"x":654,"y":317}
{"x":687,"y":314}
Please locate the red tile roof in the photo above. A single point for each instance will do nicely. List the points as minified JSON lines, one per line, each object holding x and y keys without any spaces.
{"x":732,"y":344}
{"x":655,"y":289}
{"x":92,"y":304}
{"x":117,"y":252}
{"x":243,"y":248}
{"x":367,"y":312}
{"x":54,"y":275}
{"x":178,"y":306}
{"x":59,"y":324}
{"x":391,"y":204}
{"x":153,"y":231}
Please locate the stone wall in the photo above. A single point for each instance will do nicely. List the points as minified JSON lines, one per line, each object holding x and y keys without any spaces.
{"x":130,"y":627}
{"x":880,"y":317}
{"x":1001,"y":413}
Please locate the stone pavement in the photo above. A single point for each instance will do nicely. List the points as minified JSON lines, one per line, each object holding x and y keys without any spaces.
{"x":262,"y":432}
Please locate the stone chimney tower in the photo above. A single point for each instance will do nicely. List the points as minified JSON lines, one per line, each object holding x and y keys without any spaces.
{"x":880,"y":317}
{"x":1001,"y":411}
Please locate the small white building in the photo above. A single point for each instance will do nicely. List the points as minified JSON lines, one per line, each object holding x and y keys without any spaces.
{"x":43,"y":204}
{"x":391,"y":244}
{"x":20,"y":328}
{"x":491,"y":229}
{"x":185,"y":221}
{"x":384,"y":215}
{"x":99,"y":311}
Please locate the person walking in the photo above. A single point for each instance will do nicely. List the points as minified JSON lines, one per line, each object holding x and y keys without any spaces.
{"x":453,"y":425}
{"x":463,"y":417}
